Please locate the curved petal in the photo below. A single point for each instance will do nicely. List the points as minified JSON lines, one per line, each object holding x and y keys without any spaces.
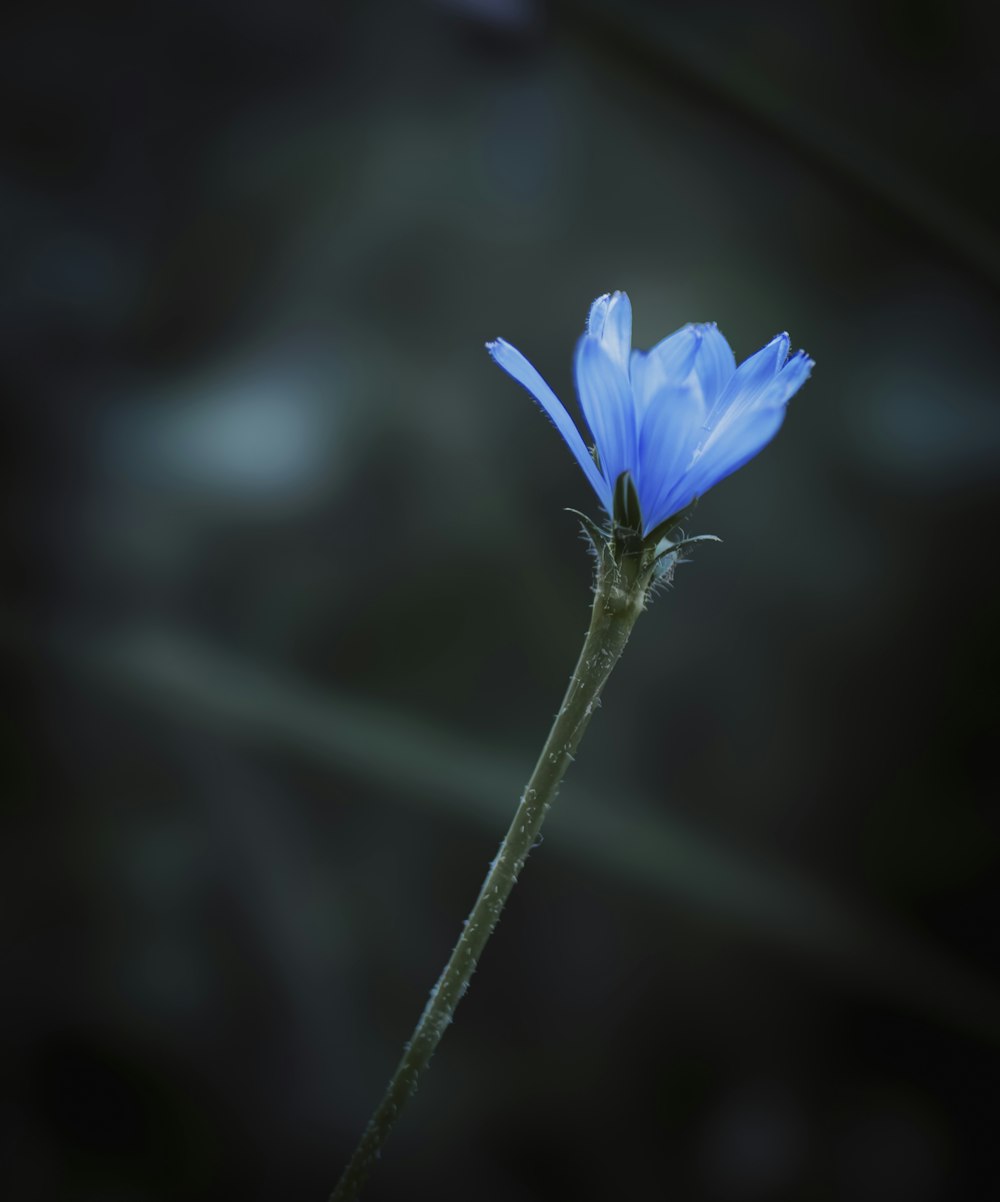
{"x":515,"y":364}
{"x":752,"y":376}
{"x":606,"y":400}
{"x":766,"y":362}
{"x":714,"y":365}
{"x":791,"y":377}
{"x":666,"y":365}
{"x":746,"y":437}
{"x":751,"y":421}
{"x":667,"y":440}
{"x":610,"y":322}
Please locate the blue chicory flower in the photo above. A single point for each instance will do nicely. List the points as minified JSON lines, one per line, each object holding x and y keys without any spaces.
{"x":678,"y":418}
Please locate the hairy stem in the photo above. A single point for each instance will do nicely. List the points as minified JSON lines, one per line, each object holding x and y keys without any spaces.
{"x":618,"y":601}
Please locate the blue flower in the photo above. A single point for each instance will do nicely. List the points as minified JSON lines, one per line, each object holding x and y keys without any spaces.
{"x":678,"y":418}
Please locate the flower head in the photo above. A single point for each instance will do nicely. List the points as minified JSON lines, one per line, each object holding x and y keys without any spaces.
{"x":678,"y":418}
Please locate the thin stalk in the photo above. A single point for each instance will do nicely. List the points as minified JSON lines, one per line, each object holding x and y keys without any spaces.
{"x":618,"y":601}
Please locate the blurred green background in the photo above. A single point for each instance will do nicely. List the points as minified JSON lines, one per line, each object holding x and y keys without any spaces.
{"x":292,"y":597}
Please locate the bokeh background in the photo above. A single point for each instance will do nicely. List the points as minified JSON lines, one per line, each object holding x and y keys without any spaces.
{"x":292,"y":597}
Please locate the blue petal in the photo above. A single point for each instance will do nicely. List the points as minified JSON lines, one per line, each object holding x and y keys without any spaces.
{"x":714,"y":365}
{"x":747,"y":437}
{"x":667,"y":440}
{"x":791,"y":377}
{"x":515,"y":364}
{"x":751,"y":420}
{"x":752,"y":377}
{"x":606,"y":400}
{"x":666,"y":366}
{"x":610,"y":322}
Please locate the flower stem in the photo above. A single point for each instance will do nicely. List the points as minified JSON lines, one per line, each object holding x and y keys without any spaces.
{"x":618,"y":601}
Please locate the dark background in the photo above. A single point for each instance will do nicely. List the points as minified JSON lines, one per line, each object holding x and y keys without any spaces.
{"x":291,"y":598}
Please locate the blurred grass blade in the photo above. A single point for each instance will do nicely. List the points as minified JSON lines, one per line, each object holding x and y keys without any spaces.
{"x":628,"y":838}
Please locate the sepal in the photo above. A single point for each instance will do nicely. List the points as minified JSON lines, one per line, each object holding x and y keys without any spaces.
{"x":666,"y":555}
{"x":595,"y":535}
{"x":668,"y":551}
{"x":626,"y":511}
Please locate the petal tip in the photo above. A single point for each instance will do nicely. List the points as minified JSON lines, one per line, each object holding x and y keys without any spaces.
{"x":783,"y":343}
{"x":802,"y":364}
{"x":597,"y":313}
{"x":610,"y":319}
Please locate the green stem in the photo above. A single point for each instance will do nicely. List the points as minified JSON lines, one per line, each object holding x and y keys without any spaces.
{"x":618,"y":601}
